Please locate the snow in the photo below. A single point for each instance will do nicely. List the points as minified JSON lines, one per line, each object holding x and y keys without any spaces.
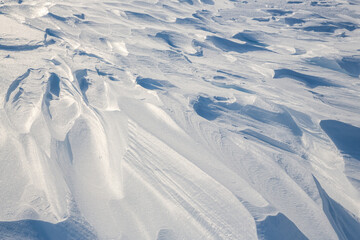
{"x":179,"y":119}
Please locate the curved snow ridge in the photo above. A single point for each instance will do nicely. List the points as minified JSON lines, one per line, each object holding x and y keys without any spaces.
{"x":187,"y":119}
{"x":60,"y":107}
{"x":40,"y":190}
{"x":280,"y":181}
{"x":191,"y":190}
{"x":22,"y":100}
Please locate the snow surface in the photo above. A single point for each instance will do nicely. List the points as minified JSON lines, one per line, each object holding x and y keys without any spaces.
{"x":179,"y":119}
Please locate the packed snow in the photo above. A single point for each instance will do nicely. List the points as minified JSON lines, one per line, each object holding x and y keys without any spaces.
{"x":179,"y":119}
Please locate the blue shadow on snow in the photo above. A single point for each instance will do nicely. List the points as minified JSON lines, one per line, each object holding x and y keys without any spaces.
{"x":230,"y":46}
{"x":40,"y":230}
{"x":278,"y":227}
{"x":310,"y":81}
{"x":153,"y":84}
{"x":345,"y":225}
{"x":345,"y":136}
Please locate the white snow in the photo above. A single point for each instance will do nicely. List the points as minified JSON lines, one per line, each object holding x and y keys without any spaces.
{"x":181,"y":119}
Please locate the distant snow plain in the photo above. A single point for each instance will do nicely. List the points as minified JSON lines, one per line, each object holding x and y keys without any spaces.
{"x":179,"y":119}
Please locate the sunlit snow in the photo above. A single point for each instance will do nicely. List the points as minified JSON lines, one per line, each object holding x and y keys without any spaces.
{"x":179,"y":119}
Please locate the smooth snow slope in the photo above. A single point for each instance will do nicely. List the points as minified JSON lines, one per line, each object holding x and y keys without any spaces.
{"x":179,"y":119}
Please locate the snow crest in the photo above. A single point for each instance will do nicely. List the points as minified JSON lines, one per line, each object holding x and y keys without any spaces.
{"x":183,"y":119}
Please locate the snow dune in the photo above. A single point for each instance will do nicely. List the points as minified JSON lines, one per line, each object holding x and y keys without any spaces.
{"x":182,"y":119}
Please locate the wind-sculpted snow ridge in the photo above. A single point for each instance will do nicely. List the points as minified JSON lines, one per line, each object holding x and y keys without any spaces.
{"x":182,"y":119}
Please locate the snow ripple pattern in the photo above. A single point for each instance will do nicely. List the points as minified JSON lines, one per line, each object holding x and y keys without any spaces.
{"x":182,"y":119}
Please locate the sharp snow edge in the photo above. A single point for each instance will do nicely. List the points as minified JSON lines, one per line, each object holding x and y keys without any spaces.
{"x":188,"y":119}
